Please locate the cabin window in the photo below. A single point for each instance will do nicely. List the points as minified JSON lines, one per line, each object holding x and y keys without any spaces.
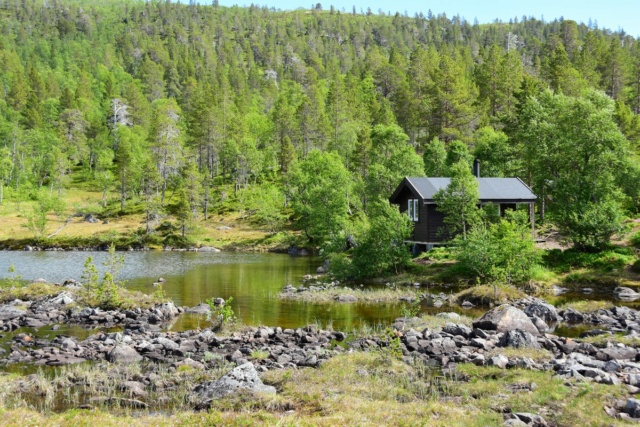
{"x":412,"y":209}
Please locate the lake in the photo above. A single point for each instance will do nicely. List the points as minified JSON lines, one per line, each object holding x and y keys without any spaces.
{"x":253,"y":280}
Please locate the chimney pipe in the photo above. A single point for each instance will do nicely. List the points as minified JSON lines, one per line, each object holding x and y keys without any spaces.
{"x":476,"y":168}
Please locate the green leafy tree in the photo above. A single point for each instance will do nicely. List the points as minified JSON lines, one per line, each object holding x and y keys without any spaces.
{"x":38,"y":216}
{"x":435,"y":158}
{"x":391,"y":159}
{"x":494,"y":152}
{"x":574,"y":152}
{"x":6,"y":166}
{"x":318,"y":188}
{"x":503,"y":252}
{"x":184,"y":214}
{"x":382,"y":249}
{"x":459,"y":200}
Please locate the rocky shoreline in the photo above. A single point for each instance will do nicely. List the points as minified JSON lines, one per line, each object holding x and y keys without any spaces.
{"x":140,"y":338}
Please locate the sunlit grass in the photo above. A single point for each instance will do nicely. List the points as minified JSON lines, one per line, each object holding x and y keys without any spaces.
{"x":365,"y":389}
{"x":586,"y":306}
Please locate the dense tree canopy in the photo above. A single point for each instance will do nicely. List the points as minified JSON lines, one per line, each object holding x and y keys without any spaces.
{"x":214,"y":104}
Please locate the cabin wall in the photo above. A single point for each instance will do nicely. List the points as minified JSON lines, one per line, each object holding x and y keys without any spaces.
{"x":420,"y":225}
{"x":435,"y":223}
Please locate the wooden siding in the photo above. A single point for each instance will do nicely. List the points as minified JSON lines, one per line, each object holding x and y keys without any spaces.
{"x":435,"y":225}
{"x":419,"y":229}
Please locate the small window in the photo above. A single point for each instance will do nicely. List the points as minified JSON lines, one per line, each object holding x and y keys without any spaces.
{"x":412,"y":209}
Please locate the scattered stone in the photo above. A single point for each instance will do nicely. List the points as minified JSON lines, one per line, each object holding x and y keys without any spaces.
{"x":200,"y":309}
{"x":243,"y":378}
{"x":632,"y":408}
{"x":449,"y":315}
{"x":9,"y":312}
{"x":626,"y":294}
{"x":499,"y":361}
{"x":518,"y":339}
{"x":91,"y":219}
{"x":505,"y":318}
{"x":543,"y":310}
{"x":345,"y":298}
{"x":123,"y":354}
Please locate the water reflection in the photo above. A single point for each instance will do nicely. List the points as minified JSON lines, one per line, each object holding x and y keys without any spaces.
{"x":253,"y":280}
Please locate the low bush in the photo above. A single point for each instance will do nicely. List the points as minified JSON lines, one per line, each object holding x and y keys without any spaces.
{"x":606,"y":260}
{"x":504,"y":252}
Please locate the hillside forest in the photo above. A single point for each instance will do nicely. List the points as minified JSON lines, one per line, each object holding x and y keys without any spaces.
{"x":307,"y":120}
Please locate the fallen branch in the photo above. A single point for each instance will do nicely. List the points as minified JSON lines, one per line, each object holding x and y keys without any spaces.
{"x":61,"y":227}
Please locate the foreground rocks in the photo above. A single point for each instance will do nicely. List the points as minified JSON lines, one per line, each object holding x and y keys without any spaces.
{"x":509,"y":327}
{"x":488,"y":341}
{"x":240,"y":379}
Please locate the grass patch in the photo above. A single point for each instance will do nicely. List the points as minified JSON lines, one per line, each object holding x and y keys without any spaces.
{"x":332,"y":295}
{"x":489,"y":295}
{"x":435,"y":322}
{"x":259,"y":354}
{"x":581,"y":404}
{"x":30,"y":292}
{"x":586,"y":306}
{"x":603,"y":340}
{"x":536,"y":354}
{"x":126,"y":299}
{"x":614,"y":258}
{"x":360,"y":388}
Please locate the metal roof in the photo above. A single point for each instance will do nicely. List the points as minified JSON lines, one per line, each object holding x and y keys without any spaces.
{"x":490,"y":189}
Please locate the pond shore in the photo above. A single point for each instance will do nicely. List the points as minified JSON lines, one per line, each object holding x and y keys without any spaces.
{"x":131,"y":363}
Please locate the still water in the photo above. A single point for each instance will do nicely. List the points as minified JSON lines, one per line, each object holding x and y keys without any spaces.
{"x":253,"y":280}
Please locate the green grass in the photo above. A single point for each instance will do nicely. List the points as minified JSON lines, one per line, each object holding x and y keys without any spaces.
{"x":606,"y":261}
{"x":360,"y":388}
{"x":586,"y":306}
{"x":259,"y":354}
{"x":362,"y":295}
{"x":487,"y":295}
{"x":125,"y":298}
{"x":536,"y":354}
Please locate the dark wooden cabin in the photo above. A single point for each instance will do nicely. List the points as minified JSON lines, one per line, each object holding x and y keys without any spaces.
{"x":415,"y":198}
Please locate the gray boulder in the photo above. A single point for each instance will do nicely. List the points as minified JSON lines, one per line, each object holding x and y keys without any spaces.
{"x":505,"y":318}
{"x":518,"y":339}
{"x":64,"y":298}
{"x":454,"y":329}
{"x":625,"y":293}
{"x":9,"y":312}
{"x":243,"y":378}
{"x":166,"y":343}
{"x":168,"y":310}
{"x":632,"y":408}
{"x":200,"y":309}
{"x":449,"y":315}
{"x":123,"y":354}
{"x":499,"y":361}
{"x":345,"y":298}
{"x":543,"y":310}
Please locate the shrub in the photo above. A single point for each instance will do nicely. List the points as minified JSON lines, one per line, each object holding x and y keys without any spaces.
{"x":382,"y":249}
{"x":222,"y":314}
{"x":606,"y":260}
{"x":504,"y":252}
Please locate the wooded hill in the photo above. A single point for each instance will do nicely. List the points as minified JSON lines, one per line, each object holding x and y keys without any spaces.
{"x":311,"y":113}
